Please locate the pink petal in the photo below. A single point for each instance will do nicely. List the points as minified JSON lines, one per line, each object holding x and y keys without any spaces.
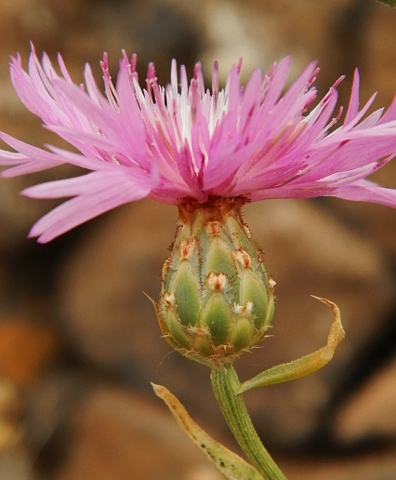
{"x":95,"y":193}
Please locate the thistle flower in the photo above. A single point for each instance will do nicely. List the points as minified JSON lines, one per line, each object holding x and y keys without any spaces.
{"x":209,"y":153}
{"x":182,"y":142}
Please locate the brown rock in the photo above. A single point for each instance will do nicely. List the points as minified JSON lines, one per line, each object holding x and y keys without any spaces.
{"x":119,"y":435}
{"x":371,"y":411}
{"x":25,"y":349}
{"x":10,"y":413}
{"x":375,"y":466}
{"x":15,"y":460}
{"x":104,"y":286}
{"x":16,"y":465}
{"x":17,"y":213}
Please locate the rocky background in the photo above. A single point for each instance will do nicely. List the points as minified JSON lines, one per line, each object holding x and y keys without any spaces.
{"x":79,"y":342}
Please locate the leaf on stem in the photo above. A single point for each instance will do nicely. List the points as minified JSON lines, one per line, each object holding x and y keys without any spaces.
{"x":303,"y":366}
{"x":230,"y":465}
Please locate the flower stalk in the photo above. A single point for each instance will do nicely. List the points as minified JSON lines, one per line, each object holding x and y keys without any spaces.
{"x":217,"y":302}
{"x":225,"y":385}
{"x":230,"y":465}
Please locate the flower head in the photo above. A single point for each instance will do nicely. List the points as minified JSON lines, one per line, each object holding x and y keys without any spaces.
{"x":185,"y":142}
{"x":217,"y":300}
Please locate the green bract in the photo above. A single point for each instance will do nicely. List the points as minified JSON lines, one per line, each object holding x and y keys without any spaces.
{"x":217,"y":299}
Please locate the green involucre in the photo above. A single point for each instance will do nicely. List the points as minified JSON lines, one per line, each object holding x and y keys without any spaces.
{"x":217,"y":300}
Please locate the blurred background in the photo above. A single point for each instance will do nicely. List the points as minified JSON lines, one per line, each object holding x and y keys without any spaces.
{"x":79,"y":342}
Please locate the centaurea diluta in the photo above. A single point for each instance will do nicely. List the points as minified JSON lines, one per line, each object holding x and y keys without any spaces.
{"x":183,"y":142}
{"x":209,"y":152}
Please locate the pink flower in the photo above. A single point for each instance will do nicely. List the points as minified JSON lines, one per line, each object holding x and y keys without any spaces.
{"x":170,"y":143}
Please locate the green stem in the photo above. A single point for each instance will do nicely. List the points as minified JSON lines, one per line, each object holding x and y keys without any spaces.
{"x":225,"y":384}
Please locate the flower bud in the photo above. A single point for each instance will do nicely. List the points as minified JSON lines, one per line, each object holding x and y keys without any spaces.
{"x":217,"y":299}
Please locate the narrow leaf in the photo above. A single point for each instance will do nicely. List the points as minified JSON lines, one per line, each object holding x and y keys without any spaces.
{"x":230,"y":465}
{"x":305,"y":365}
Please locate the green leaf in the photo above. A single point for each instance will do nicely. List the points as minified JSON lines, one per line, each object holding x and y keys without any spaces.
{"x":305,"y":365}
{"x":230,"y":465}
